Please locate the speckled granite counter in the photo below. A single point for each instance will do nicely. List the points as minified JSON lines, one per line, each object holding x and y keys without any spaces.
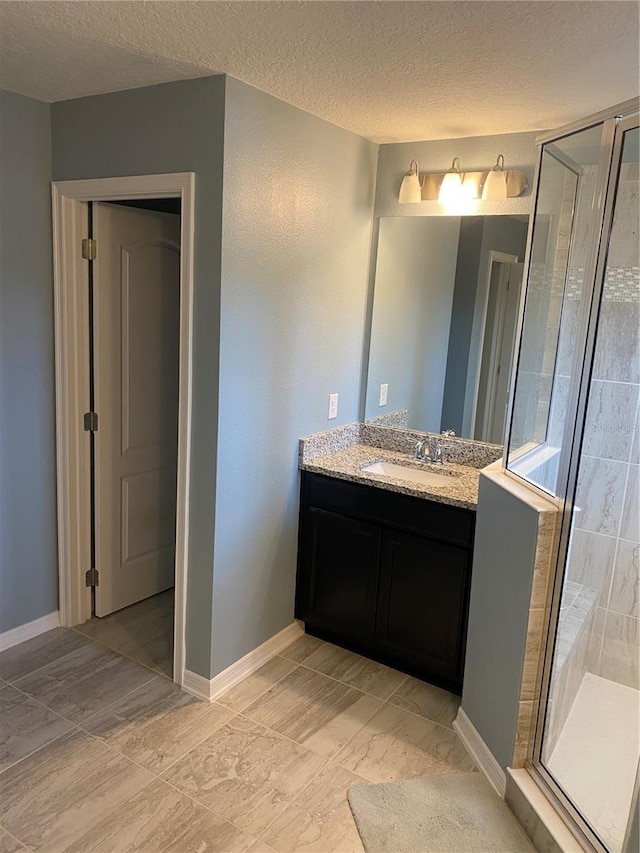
{"x":343,"y":453}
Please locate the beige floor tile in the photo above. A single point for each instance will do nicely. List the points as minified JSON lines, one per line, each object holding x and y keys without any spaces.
{"x":429,"y":701}
{"x":9,"y":844}
{"x":250,"y":688}
{"x":160,"y":819}
{"x":319,"y":820}
{"x":38,"y":652}
{"x":25,"y":726}
{"x":315,"y":711}
{"x":143,"y":631}
{"x":60,"y":792}
{"x":157,"y":724}
{"x":355,"y":670}
{"x":245,"y":773}
{"x":395,"y":744}
{"x":260,"y":847}
{"x":302,"y":648}
{"x":84,"y":682}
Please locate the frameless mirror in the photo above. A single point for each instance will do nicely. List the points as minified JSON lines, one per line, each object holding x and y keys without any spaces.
{"x":443,"y":325}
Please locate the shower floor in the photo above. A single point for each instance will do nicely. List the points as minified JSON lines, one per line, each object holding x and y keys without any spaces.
{"x":596,"y":756}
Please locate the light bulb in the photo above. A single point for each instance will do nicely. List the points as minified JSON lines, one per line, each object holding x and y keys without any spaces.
{"x":451,"y":186}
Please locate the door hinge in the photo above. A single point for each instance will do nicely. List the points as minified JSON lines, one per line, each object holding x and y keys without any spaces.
{"x":91,"y":421}
{"x":89,"y":249}
{"x":91,"y":577}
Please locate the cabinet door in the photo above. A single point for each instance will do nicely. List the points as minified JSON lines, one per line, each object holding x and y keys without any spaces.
{"x":422,"y":605}
{"x":338,"y":576}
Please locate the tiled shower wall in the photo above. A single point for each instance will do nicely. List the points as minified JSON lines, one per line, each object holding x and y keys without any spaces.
{"x":605,"y":550}
{"x":545,"y":287}
{"x":600,"y":617}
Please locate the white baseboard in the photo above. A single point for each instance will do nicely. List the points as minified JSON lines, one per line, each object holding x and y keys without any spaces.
{"x":30,"y":630}
{"x":210,"y":689}
{"x":197,"y":685}
{"x":480,"y":752}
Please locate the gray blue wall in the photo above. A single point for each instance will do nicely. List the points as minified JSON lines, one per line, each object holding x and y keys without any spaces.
{"x":498,"y":615}
{"x":462,"y":311}
{"x":499,"y":234}
{"x":284,"y":278}
{"x":414,"y":288}
{"x":28,"y":543}
{"x":174,"y":127}
{"x":298,"y":200}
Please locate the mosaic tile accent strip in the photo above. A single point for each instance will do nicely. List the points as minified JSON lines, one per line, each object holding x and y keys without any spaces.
{"x":622,"y":284}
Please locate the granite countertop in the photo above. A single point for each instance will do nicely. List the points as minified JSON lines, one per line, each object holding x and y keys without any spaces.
{"x":347,"y":464}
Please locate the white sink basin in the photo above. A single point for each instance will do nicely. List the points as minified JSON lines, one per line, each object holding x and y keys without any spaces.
{"x":410,"y":475}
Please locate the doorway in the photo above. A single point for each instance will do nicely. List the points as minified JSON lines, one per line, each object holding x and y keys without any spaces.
{"x":492,"y":390}
{"x":123,"y":487}
{"x":134,"y":290}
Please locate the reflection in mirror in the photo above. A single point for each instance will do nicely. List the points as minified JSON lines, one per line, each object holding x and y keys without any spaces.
{"x":445,"y":309}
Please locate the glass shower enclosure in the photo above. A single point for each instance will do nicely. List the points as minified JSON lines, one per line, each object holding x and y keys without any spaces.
{"x":574,"y":434}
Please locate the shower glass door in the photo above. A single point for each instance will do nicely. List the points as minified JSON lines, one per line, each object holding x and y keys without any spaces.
{"x":588,"y":736}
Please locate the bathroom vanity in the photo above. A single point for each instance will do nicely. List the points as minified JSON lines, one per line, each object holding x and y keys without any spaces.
{"x":384,"y":564}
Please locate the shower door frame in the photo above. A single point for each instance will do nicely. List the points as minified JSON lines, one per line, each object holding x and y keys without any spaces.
{"x":616,"y":122}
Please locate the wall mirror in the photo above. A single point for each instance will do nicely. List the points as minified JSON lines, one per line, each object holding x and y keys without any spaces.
{"x":443,"y":325}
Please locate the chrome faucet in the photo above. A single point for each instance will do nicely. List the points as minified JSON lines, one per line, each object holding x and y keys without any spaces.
{"x":428,"y":450}
{"x":435,"y":451}
{"x":418,"y":451}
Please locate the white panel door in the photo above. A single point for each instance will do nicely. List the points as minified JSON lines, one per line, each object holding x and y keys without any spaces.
{"x":136,"y":329}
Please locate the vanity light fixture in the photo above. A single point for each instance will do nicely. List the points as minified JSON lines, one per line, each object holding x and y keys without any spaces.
{"x":451,"y":187}
{"x":457,"y":188}
{"x":410,"y":187}
{"x":495,"y":185}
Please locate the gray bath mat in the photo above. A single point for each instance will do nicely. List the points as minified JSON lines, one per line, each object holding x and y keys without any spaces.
{"x":449,"y":813}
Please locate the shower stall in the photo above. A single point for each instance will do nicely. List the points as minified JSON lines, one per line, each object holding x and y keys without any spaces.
{"x":574,"y":433}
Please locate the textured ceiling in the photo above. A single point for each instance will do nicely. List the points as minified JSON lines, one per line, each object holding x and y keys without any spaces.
{"x":389,"y":71}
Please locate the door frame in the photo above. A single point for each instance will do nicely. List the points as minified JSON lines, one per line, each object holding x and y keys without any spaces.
{"x":498,"y":258}
{"x":497,"y":343}
{"x":70,"y":200}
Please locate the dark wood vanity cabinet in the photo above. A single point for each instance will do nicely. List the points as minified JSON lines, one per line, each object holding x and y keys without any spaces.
{"x":387,"y":575}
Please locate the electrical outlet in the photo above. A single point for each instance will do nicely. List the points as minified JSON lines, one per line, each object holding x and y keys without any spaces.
{"x":333,"y":406}
{"x":384,"y":390}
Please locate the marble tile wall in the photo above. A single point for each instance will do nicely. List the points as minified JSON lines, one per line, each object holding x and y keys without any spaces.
{"x":605,"y":550}
{"x":535,"y":643}
{"x":604,"y":554}
{"x":543,"y":333}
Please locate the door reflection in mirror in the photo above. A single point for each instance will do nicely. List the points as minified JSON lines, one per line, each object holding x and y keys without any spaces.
{"x":443,"y":323}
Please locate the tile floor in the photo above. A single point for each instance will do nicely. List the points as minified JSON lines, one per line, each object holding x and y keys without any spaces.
{"x":100,"y":753}
{"x":143,"y":631}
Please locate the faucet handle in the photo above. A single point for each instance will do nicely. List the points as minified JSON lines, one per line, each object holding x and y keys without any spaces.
{"x":435,"y":451}
{"x":418,"y":450}
{"x":449,"y":433}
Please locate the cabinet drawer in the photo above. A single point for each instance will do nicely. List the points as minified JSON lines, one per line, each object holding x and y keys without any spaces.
{"x":403,"y":512}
